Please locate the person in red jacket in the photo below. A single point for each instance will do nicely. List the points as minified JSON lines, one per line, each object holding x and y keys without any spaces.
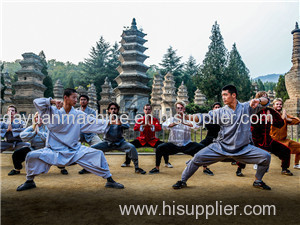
{"x":147,"y":126}
{"x":260,"y":127}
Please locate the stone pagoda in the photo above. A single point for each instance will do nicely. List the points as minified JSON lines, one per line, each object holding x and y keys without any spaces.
{"x":58,"y":90}
{"x":292,"y":78}
{"x":30,"y":83}
{"x":92,"y":93}
{"x":182,"y":94}
{"x":107,"y":96}
{"x":132,"y":92}
{"x":199,"y":98}
{"x":156,"y":98}
{"x":168,"y":95}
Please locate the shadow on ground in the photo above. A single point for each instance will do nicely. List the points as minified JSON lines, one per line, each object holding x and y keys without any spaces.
{"x":82,"y":199}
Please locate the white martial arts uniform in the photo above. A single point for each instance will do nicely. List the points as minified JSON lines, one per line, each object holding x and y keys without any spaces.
{"x":63,"y":147}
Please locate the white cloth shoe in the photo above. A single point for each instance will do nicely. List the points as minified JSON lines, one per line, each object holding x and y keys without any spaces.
{"x":297,"y":166}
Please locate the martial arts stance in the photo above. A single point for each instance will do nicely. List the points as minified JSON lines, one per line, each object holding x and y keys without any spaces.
{"x":114,"y":140}
{"x":280,"y":134}
{"x":36,"y":135}
{"x":147,"y":128}
{"x":63,"y":146}
{"x":261,"y":134}
{"x":234,"y":139}
{"x":10,"y":130}
{"x":212,"y":133}
{"x":179,"y":139}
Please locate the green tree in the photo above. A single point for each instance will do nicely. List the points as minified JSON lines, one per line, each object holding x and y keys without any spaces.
{"x":153,"y":70}
{"x":47,"y":80}
{"x":280,"y":89}
{"x":70,"y":83}
{"x":211,"y":77}
{"x":260,"y":85}
{"x":63,"y":71}
{"x":172,"y":63}
{"x":12,"y":68}
{"x":190,"y":69}
{"x":102,"y":62}
{"x":238,"y":74}
{"x":269,"y":86}
{"x":193,"y":108}
{"x":2,"y":81}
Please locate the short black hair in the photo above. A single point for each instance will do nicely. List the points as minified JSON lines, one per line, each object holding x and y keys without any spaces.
{"x":230,"y":88}
{"x":84,"y":96}
{"x":69,"y":91}
{"x":115,"y":104}
{"x":148,"y":105}
{"x":216,"y":103}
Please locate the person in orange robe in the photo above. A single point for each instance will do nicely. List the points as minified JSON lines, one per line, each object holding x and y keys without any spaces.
{"x":280,"y":134}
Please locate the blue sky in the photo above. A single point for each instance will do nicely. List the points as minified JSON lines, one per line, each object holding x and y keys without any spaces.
{"x":66,"y":30}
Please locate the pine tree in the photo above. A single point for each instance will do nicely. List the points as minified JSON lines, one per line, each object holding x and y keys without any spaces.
{"x":70,"y":83}
{"x":47,"y":80}
{"x":211,"y":77}
{"x":172,"y":63}
{"x":260,"y":85}
{"x":102,"y":62}
{"x":190,"y":69}
{"x":269,"y":86}
{"x":3,"y":87}
{"x":280,"y":89}
{"x":238,"y":74}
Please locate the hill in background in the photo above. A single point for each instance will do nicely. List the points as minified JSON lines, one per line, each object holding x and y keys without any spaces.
{"x":269,"y":77}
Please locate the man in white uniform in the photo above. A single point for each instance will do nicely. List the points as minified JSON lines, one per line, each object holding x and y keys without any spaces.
{"x":63,"y":147}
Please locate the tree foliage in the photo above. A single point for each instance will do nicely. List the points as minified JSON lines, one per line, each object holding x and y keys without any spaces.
{"x":2,"y":81}
{"x":260,"y":85}
{"x":172,"y":63}
{"x":47,"y":80}
{"x":238,"y":74}
{"x":102,"y":62}
{"x":269,"y":86}
{"x":70,"y":83}
{"x":193,"y":108}
{"x":280,"y":89}
{"x":211,"y":77}
{"x":190,"y":69}
{"x":63,"y":72}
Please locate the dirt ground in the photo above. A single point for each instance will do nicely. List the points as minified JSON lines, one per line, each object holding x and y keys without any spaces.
{"x":83,"y":199}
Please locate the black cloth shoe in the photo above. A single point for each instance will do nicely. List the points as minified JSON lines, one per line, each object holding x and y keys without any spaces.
{"x":13,"y":172}
{"x":27,"y":185}
{"x":180,"y":184}
{"x":207,"y":171}
{"x":286,"y":172}
{"x":153,"y":171}
{"x":114,"y":185}
{"x":140,"y":170}
{"x":239,"y":173}
{"x":261,"y":185}
{"x":83,"y":171}
{"x":64,"y":172}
